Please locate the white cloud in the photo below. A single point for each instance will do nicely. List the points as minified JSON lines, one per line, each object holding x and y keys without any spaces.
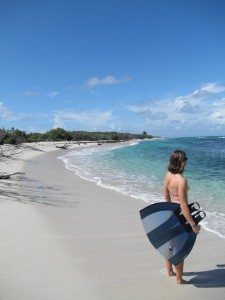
{"x":20,"y":120}
{"x":137,"y":109}
{"x":115,"y":127}
{"x":53,"y":94}
{"x":30,"y":94}
{"x":187,"y":106}
{"x":35,"y":93}
{"x":217,"y":117}
{"x":220,"y":103}
{"x":149,"y":112}
{"x":90,"y":119}
{"x":108,"y":80}
{"x":198,"y":110}
{"x":5,"y":113}
{"x":213,"y":88}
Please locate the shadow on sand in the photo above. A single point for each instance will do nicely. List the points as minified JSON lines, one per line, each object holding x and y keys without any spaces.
{"x":27,"y":190}
{"x":208,"y":279}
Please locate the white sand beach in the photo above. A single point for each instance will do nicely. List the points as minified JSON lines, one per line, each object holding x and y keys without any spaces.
{"x":66,"y":238}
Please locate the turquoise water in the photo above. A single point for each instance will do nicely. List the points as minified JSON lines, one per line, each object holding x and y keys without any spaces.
{"x":138,"y":170}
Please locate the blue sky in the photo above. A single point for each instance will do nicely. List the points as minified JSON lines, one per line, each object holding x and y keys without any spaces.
{"x":113,"y":65}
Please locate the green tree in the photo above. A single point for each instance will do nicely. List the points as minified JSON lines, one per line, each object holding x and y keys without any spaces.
{"x":144,"y":133}
{"x":59,"y":134}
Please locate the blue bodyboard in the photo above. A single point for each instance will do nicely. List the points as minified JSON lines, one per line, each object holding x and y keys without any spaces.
{"x":168,"y":231}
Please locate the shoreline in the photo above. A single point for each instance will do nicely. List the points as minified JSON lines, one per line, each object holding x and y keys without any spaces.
{"x":155,"y":191}
{"x":71,"y":239}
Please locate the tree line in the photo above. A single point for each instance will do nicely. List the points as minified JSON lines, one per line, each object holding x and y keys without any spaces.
{"x":16,"y":136}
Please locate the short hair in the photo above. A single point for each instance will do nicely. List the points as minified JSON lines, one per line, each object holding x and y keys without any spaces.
{"x":177,"y":162}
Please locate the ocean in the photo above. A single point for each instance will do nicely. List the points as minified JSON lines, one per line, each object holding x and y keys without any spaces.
{"x":137,"y":169}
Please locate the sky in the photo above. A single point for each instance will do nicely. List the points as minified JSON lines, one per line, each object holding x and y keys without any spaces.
{"x":113,"y":65}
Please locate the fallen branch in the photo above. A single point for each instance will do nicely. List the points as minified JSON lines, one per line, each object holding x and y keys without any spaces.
{"x":64,"y":146}
{"x":7,"y":176}
{"x":9,"y":151}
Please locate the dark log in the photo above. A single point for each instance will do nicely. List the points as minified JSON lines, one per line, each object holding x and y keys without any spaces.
{"x":7,"y":176}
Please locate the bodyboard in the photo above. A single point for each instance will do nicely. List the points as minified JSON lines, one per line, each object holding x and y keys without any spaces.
{"x":168,"y":231}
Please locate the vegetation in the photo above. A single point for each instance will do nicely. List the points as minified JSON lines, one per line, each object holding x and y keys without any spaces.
{"x":12,"y":136}
{"x":14,"y":141}
{"x":16,"y":136}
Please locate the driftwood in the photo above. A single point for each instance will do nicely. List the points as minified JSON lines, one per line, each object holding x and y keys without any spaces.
{"x":64,"y":146}
{"x":7,"y":176}
{"x":9,"y":151}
